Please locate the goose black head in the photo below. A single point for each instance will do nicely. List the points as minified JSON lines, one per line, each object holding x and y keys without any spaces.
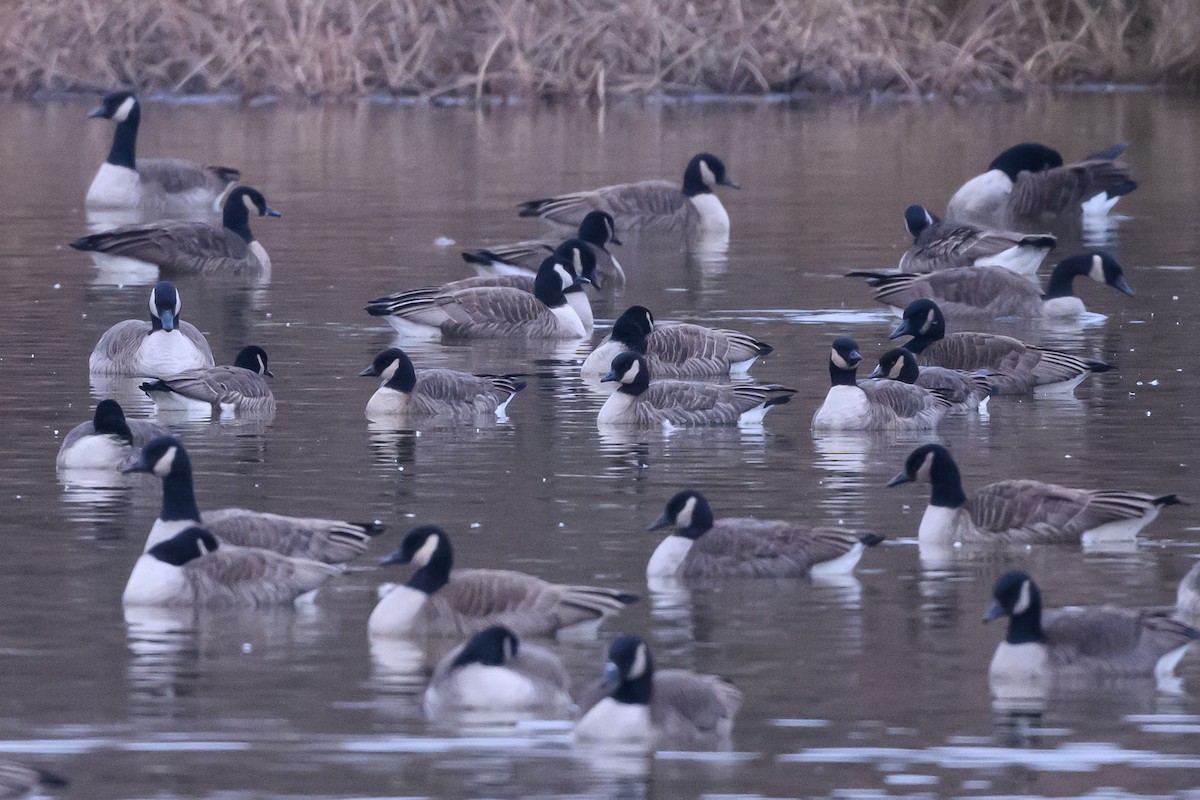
{"x":1016,"y":596}
{"x":897,"y":364}
{"x":629,"y":369}
{"x":1100,"y":267}
{"x":117,"y":106}
{"x":110,"y":419}
{"x":428,"y":548}
{"x":396,"y":369}
{"x":843,"y":361}
{"x":917,"y":219}
{"x":1026,"y":157}
{"x":577,"y":253}
{"x":704,"y":173}
{"x":165,"y":304}
{"x":161,"y":456}
{"x":629,"y":674}
{"x":555,"y":276}
{"x":253,"y":358}
{"x":933,"y":463}
{"x":242,"y":203}
{"x":491,"y":647}
{"x":632,"y":328}
{"x":188,"y":544}
{"x":598,"y":228}
{"x":689,"y":512}
{"x":923,"y":321}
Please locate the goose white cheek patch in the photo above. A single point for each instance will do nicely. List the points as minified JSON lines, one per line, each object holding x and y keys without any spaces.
{"x":123,"y":111}
{"x":426,"y":552}
{"x":684,"y":518}
{"x":706,"y":175}
{"x":838,"y":361}
{"x":1023,"y":601}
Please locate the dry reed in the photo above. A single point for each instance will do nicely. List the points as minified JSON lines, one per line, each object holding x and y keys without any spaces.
{"x":596,"y":48}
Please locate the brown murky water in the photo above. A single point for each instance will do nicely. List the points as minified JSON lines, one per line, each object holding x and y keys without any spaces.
{"x":872,"y":687}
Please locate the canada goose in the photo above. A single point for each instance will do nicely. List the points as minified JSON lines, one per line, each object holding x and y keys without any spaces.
{"x":966,"y":390}
{"x":1187,"y":598}
{"x":193,"y":247}
{"x":1013,"y":367}
{"x":995,"y":292}
{"x":166,"y":345}
{"x":435,"y":392}
{"x":853,"y":405}
{"x":523,"y":258}
{"x":327,"y":540}
{"x":675,"y":350}
{"x":438,"y":602}
{"x":192,"y":569}
{"x":1022,"y":511}
{"x":745,"y":547}
{"x":640,"y":401}
{"x":19,"y":781}
{"x":1080,"y":642}
{"x":572,"y":251}
{"x":490,"y":312}
{"x":1029,"y":181}
{"x":154,"y":184}
{"x":237,"y":390}
{"x":948,"y":244}
{"x":658,"y":205}
{"x":109,"y":441}
{"x":494,"y":671}
{"x":634,"y":704}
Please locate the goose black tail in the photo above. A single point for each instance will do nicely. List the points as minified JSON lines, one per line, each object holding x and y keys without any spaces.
{"x":1099,"y":366}
{"x":1170,"y":500}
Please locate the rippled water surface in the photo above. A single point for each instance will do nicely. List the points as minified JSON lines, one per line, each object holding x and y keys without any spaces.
{"x":876,"y":686}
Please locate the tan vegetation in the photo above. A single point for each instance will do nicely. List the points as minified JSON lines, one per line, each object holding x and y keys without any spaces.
{"x":546,"y":48}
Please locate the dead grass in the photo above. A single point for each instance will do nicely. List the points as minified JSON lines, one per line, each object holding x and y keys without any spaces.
{"x":590,"y":48}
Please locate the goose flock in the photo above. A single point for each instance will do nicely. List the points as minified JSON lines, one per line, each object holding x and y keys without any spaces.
{"x":976,"y":265}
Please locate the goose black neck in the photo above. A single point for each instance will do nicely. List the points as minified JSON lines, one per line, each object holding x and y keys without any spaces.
{"x":702,"y":522}
{"x":693,"y":182}
{"x":630,"y":336}
{"x":435,"y":574}
{"x":1061,"y":279}
{"x":404,"y":379}
{"x":111,"y":422}
{"x":839,"y":376}
{"x":945,"y":484}
{"x":1026,"y":627}
{"x":236,"y":217}
{"x":179,"y":495}
{"x":124,"y":144}
{"x":638,"y":691}
{"x":548,"y":288}
{"x":639,"y":384}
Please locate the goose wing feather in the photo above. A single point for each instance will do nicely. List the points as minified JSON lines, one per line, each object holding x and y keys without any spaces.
{"x":241,"y":576}
{"x":527,"y":255}
{"x":1056,"y":190}
{"x":686,"y":349}
{"x":181,"y":246}
{"x":176,"y":176}
{"x":963,"y":291}
{"x":764,"y":548}
{"x":1030,"y":511}
{"x":327,"y":540}
{"x":222,"y":385}
{"x":906,"y":405}
{"x":686,"y":704}
{"x":632,"y":205}
{"x":1111,"y":640}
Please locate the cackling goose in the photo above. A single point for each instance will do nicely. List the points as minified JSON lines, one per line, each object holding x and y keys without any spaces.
{"x":19,"y":781}
{"x":192,"y":247}
{"x":192,"y":569}
{"x":640,"y":401}
{"x":995,"y":292}
{"x":874,"y":405}
{"x":435,"y":392}
{"x":438,"y":602}
{"x":523,"y":258}
{"x":745,"y":547}
{"x":1013,"y":367}
{"x":495,"y":671}
{"x":327,"y":540}
{"x":655,"y":205}
{"x":109,"y":441}
{"x":1029,"y":181}
{"x":239,"y":390}
{"x":634,"y":704}
{"x":948,"y":244}
{"x":968,"y":391}
{"x":153,"y":184}
{"x":1079,"y":643}
{"x":1022,"y":511}
{"x":675,"y":350}
{"x":166,"y":345}
{"x":490,"y":312}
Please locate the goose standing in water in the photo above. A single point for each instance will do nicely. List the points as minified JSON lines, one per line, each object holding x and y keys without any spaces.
{"x":192,"y":247}
{"x":1030,"y":182}
{"x":151,"y":184}
{"x":638,"y":706}
{"x":166,"y":345}
{"x":1022,"y":511}
{"x":109,"y":441}
{"x":693,"y":208}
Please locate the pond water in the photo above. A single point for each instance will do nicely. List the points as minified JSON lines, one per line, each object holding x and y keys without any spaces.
{"x":871,"y":687}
